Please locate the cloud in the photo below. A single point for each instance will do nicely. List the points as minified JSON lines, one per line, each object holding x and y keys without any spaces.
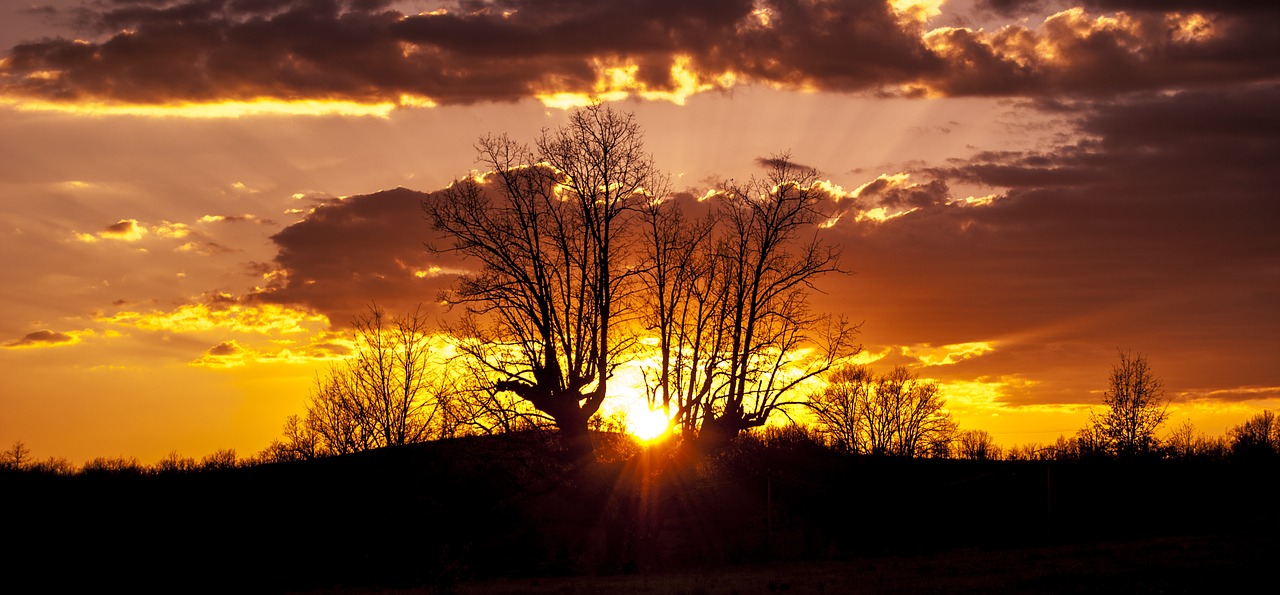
{"x":223,"y":312}
{"x":347,"y":253}
{"x":126,"y":230}
{"x":334,"y":56}
{"x":226,"y":354}
{"x":43,"y":338}
{"x":224,"y":349}
{"x":1154,"y":232}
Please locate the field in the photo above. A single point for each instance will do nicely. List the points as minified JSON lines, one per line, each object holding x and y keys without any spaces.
{"x":498,"y":515}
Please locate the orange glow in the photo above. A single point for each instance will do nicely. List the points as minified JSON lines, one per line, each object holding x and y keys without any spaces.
{"x":946,"y":355}
{"x":221,"y":109}
{"x":266,"y":318}
{"x":917,"y":11}
{"x":617,"y":81}
{"x":1190,"y":28}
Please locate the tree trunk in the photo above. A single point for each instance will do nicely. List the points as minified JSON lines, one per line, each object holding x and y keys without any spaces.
{"x":575,"y":437}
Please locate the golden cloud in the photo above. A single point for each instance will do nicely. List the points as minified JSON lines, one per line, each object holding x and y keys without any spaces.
{"x":212,"y":110}
{"x":257,"y":318}
{"x":947,"y":355}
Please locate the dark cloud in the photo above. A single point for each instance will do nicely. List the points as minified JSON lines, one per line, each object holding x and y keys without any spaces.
{"x":122,"y":227}
{"x":780,"y":161}
{"x":885,"y":193}
{"x":348,"y":253}
{"x":1013,"y":8}
{"x":224,"y":349}
{"x":41,"y":338}
{"x":1235,"y":6}
{"x":207,"y":50}
{"x":1157,"y":233}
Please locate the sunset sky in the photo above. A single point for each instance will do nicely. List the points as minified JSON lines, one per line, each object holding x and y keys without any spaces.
{"x":197,"y":195}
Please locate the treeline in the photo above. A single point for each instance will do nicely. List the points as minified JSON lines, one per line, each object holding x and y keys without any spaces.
{"x":1254,"y":440}
{"x":20,"y":458}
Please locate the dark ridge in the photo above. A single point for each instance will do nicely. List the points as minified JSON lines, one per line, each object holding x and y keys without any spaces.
{"x":445,"y":514}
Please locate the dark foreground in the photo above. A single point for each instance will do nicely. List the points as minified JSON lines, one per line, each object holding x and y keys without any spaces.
{"x":1190,"y":564}
{"x":499,"y":515}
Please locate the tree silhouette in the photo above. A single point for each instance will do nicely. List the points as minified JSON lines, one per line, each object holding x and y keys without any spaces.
{"x":1257,"y":437}
{"x":18,"y":456}
{"x":1135,"y":407}
{"x":390,"y":391}
{"x":887,"y":414}
{"x":546,"y":225}
{"x":976,"y":445}
{"x":729,"y":298}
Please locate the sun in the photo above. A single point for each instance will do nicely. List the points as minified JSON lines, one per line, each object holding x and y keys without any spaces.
{"x":647,"y":424}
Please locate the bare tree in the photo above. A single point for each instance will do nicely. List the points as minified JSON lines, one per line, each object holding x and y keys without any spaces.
{"x":887,"y":414}
{"x":224,"y":458}
{"x":1256,"y":437}
{"x":1135,"y":407}
{"x":546,"y":227}
{"x":176,"y":463}
{"x":842,"y":405}
{"x":18,"y":457}
{"x":480,"y":408}
{"x":976,"y":445}
{"x":729,"y":298}
{"x":1186,"y":442}
{"x":906,"y":416}
{"x":390,"y":391}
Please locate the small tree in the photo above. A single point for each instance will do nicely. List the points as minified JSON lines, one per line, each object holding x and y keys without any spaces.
{"x":176,"y":463}
{"x":1186,"y":442}
{"x":390,"y":391}
{"x":891,"y":414}
{"x":976,"y":445}
{"x":220,"y":459}
{"x":17,"y":458}
{"x":1135,"y":407}
{"x":1257,"y":437}
{"x":841,"y":406}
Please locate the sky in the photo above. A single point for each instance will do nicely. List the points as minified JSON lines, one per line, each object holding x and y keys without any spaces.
{"x":196,"y":196}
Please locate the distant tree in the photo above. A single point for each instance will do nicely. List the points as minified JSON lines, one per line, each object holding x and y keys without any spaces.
{"x":18,"y":457}
{"x":1185,"y":442}
{"x":53,"y":466}
{"x":1256,"y":438}
{"x":1135,"y":408}
{"x":113,"y":466}
{"x":1088,"y":443}
{"x":729,"y":298}
{"x":842,"y":405}
{"x":175,"y":463}
{"x":892,"y":414}
{"x":547,"y":230}
{"x":976,"y":445}
{"x":390,"y":391}
{"x":220,"y":459}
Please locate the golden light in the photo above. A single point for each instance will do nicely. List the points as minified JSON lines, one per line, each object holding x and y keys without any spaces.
{"x":917,"y":11}
{"x":616,"y":81}
{"x":221,"y":109}
{"x":647,"y":424}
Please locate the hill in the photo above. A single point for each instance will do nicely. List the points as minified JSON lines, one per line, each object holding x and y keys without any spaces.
{"x":447,"y":514}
